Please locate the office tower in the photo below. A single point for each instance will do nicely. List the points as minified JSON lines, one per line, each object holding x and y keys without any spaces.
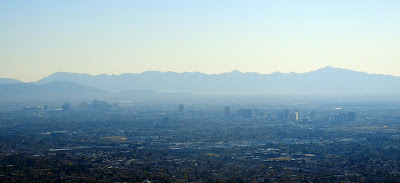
{"x":115,"y":106}
{"x":351,"y":116}
{"x":240,"y":113}
{"x":281,"y":116}
{"x":100,"y":106}
{"x":227,"y":112}
{"x":181,"y":109}
{"x":292,"y":117}
{"x":65,"y":107}
{"x":341,"y":117}
{"x":245,"y":113}
{"x":296,"y":114}
{"x":84,"y":106}
{"x":286,"y":114}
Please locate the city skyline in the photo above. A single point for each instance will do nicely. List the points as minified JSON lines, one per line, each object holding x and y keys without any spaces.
{"x":99,"y":37}
{"x":220,"y":91}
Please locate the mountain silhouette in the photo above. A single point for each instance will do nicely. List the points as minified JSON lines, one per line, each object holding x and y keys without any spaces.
{"x":9,"y":81}
{"x":324,"y":81}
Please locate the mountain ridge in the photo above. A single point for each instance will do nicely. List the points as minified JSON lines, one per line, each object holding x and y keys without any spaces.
{"x":324,"y":80}
{"x":9,"y":81}
{"x":326,"y":68}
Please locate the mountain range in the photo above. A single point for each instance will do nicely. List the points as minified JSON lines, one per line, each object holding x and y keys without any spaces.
{"x":325,"y":81}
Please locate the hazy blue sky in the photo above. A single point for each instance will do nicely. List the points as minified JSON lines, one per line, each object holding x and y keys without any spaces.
{"x":38,"y":38}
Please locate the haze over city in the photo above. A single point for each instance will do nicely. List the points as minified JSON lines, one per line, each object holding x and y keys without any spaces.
{"x":200,"y":91}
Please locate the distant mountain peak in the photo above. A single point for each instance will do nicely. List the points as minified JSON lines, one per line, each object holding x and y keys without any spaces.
{"x":331,"y":69}
{"x":277,"y":72}
{"x":327,"y":68}
{"x":235,"y":72}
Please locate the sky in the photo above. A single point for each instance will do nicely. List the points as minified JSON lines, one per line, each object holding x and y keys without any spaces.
{"x":38,"y":38}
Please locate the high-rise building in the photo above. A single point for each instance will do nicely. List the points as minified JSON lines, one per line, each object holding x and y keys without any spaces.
{"x":286,"y":114}
{"x":115,"y":106}
{"x":84,"y":106}
{"x":181,"y":109}
{"x":341,"y":117}
{"x":296,"y":114}
{"x":281,"y":116}
{"x":65,"y":107}
{"x":346,"y":117}
{"x":227,"y":112}
{"x":100,"y":106}
{"x":245,"y":113}
{"x":292,"y":117}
